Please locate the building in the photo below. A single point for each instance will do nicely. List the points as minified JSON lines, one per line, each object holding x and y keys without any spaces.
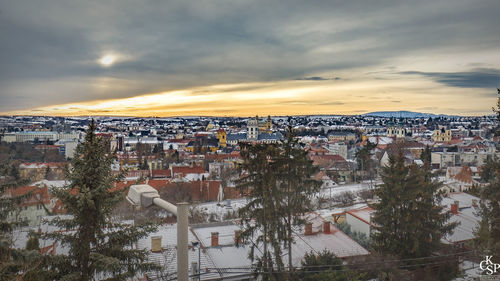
{"x":342,"y":136}
{"x":256,"y":132}
{"x":235,"y":138}
{"x":441,"y":135}
{"x":36,"y":171}
{"x":39,"y":136}
{"x":446,"y":159}
{"x":221,"y":247}
{"x":253,"y":129}
{"x":222,"y":137}
{"x":360,"y":220}
{"x":338,"y":148}
{"x":398,"y":132}
{"x":256,"y":127}
{"x":32,"y":210}
{"x":463,"y":209}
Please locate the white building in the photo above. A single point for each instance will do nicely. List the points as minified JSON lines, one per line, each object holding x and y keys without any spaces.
{"x":360,"y":220}
{"x":338,"y":148}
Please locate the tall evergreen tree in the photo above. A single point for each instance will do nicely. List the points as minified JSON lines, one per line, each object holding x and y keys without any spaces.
{"x":278,"y":179}
{"x":295,"y":173}
{"x":409,"y":218}
{"x":426,"y":155}
{"x":14,"y":263}
{"x":488,"y":233}
{"x":99,"y":247}
{"x":260,"y":216}
{"x":364,"y":160}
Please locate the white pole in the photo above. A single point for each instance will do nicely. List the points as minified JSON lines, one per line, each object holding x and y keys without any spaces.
{"x":165,"y":205}
{"x":181,"y":211}
{"x":182,"y":241}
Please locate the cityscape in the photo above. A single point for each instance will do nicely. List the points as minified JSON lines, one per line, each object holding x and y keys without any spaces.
{"x":198,"y":160}
{"x":250,"y":140}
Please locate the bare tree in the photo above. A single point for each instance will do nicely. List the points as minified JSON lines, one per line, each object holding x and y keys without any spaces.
{"x":346,"y":198}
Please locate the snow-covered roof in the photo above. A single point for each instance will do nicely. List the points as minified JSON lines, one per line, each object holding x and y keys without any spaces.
{"x":52,"y":183}
{"x":467,"y":216}
{"x":236,"y":136}
{"x":226,"y":254}
{"x":362,"y":214}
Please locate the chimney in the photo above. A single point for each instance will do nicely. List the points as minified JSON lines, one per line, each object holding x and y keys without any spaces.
{"x":194,"y":269}
{"x":326,"y":227}
{"x":156,"y":244}
{"x":215,"y":239}
{"x":237,"y":237}
{"x":454,"y":208}
{"x":309,"y":227}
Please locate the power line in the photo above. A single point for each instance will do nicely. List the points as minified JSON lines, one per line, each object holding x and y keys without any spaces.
{"x":331,"y":267}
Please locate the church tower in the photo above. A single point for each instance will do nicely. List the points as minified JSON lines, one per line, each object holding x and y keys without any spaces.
{"x":253,"y":129}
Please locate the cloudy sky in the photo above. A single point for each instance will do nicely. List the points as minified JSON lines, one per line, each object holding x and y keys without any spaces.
{"x":242,"y":57}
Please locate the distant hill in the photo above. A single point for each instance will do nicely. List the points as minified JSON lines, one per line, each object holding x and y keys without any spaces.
{"x":404,"y":114}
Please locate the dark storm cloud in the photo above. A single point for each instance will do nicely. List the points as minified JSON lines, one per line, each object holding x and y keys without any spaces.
{"x":50,"y":47}
{"x":476,"y":78}
{"x":317,"y":78}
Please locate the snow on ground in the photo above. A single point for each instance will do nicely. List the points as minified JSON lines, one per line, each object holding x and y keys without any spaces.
{"x":328,"y":212}
{"x":52,"y":183}
{"x":230,"y":206}
{"x":221,"y":209}
{"x":471,"y":272}
{"x":339,"y":189}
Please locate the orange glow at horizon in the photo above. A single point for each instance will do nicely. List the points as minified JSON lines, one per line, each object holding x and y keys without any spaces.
{"x":285,"y":98}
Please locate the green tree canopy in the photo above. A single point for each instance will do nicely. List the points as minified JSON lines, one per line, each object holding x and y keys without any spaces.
{"x":279,"y":184}
{"x":99,"y":247}
{"x":409,"y":219}
{"x":14,"y":263}
{"x":488,"y":233}
{"x":325,"y":266}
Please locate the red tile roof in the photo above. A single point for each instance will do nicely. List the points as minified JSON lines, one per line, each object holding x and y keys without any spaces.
{"x":161,"y":174}
{"x":39,"y":195}
{"x":187,"y":170}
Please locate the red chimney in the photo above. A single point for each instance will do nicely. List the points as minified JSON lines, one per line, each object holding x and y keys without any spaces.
{"x":237,"y":237}
{"x":309,"y":227}
{"x":454,"y":208}
{"x":215,"y":239}
{"x":326,"y":227}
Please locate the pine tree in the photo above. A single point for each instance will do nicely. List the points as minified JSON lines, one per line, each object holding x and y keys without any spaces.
{"x":260,"y":216}
{"x":325,"y":266}
{"x":279,"y":184}
{"x":295,"y":173}
{"x":409,"y":219}
{"x":488,"y":233}
{"x":364,"y":160}
{"x":14,"y":263}
{"x":99,"y":247}
{"x":426,"y":154}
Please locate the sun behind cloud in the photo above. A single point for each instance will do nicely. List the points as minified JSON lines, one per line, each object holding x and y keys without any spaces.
{"x":107,"y":60}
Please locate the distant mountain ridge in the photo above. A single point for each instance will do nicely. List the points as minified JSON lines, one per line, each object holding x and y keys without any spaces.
{"x":404,"y":114}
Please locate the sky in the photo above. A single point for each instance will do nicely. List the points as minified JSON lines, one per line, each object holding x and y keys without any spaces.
{"x":242,"y":57}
